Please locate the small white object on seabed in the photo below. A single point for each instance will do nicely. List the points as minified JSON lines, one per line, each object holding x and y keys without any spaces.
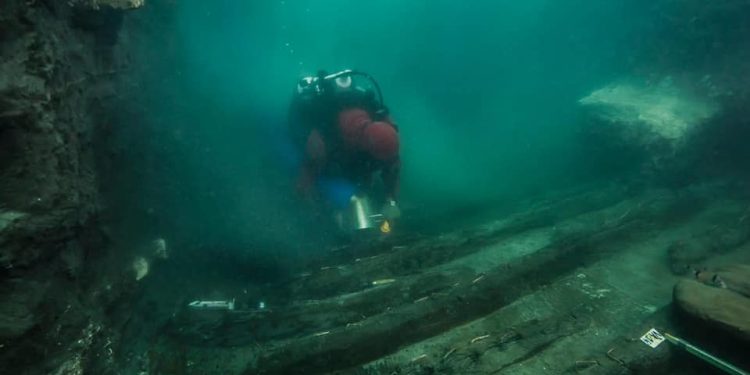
{"x":140,"y":266}
{"x":212,"y":305}
{"x":383,"y":281}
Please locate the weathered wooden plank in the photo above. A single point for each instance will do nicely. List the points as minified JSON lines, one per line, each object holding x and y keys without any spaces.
{"x":379,"y":335}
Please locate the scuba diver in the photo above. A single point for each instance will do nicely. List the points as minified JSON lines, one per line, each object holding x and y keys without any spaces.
{"x":346,"y":134}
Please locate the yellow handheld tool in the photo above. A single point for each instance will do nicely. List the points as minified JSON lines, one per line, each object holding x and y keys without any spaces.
{"x":385,"y":227}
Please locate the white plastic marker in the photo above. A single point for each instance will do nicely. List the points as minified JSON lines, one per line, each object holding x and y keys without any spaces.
{"x":212,"y":305}
{"x":383,"y":281}
{"x":653,"y":338}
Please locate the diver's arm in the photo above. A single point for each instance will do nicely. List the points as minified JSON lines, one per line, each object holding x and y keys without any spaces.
{"x":391,"y":175}
{"x":391,"y":179}
{"x":297,"y":127}
{"x":315,"y":159}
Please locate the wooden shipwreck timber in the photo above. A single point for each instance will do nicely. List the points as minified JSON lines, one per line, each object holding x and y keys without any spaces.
{"x":567,"y":286}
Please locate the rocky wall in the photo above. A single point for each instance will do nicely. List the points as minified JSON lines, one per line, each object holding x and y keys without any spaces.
{"x":57,"y":64}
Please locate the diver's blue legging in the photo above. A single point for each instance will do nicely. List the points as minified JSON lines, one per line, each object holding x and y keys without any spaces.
{"x":336,"y":191}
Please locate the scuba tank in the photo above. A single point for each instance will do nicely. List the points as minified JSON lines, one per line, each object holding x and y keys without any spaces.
{"x":314,"y":88}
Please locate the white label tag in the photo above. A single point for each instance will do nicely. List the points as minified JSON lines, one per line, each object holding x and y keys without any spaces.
{"x":652,"y":338}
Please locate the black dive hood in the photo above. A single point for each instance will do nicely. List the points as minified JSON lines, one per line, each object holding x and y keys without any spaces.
{"x":354,"y":73}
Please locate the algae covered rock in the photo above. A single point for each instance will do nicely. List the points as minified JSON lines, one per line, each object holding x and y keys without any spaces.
{"x":655,"y":126}
{"x":645,"y":114}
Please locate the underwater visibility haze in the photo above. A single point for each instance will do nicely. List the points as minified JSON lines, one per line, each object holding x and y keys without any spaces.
{"x":217,"y":187}
{"x":486,"y":102}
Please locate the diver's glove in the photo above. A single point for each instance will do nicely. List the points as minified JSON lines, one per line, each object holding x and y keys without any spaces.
{"x":391,"y":211}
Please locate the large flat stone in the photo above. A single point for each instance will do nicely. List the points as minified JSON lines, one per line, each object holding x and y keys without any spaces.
{"x":736,"y":277}
{"x":718,"y":307}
